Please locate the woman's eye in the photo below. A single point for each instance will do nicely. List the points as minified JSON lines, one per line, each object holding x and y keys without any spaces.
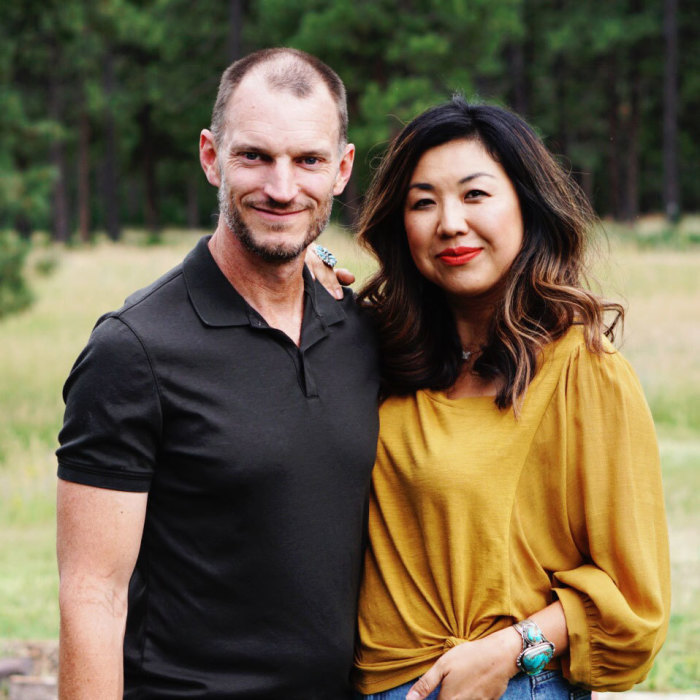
{"x":473,"y":194}
{"x":421,"y":203}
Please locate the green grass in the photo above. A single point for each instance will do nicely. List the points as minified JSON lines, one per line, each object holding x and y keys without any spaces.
{"x":678,"y":664}
{"x":661,"y":288}
{"x":29,"y":584}
{"x":73,"y":286}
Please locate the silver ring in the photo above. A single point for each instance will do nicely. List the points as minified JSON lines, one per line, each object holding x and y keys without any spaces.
{"x":327,"y":258}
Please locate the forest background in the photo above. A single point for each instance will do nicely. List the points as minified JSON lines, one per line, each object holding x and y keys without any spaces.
{"x":101,"y":105}
{"x":102,"y":101}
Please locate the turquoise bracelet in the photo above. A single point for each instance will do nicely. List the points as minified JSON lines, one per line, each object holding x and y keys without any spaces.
{"x":537,"y":651}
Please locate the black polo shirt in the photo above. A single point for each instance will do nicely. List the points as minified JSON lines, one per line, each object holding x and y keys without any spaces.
{"x":256,"y":455}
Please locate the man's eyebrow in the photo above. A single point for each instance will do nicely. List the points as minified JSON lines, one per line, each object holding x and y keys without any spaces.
{"x":428,"y":187}
{"x":243,"y":147}
{"x":314,"y":153}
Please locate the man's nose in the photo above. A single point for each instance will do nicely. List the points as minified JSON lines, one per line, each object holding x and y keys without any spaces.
{"x":280,"y":183}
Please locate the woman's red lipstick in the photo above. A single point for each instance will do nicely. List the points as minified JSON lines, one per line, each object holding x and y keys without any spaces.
{"x":458,"y":256}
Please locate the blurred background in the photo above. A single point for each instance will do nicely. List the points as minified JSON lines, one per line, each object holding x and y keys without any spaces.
{"x":103,"y":100}
{"x":101,"y":105}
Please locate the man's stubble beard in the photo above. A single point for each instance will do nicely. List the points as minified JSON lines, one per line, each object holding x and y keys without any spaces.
{"x":270,"y":253}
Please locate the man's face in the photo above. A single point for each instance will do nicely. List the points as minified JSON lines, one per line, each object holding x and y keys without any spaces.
{"x":280,"y":165}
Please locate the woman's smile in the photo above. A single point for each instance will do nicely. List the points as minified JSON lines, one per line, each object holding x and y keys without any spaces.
{"x":458,"y":256}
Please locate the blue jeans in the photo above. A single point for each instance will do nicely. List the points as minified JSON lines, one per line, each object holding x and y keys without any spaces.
{"x":548,"y":685}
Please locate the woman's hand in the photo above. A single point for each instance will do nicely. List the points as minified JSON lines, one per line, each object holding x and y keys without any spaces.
{"x":478,"y":670}
{"x":330,"y":278}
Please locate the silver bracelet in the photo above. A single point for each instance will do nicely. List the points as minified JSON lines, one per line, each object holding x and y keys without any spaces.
{"x":327,"y":258}
{"x":537,"y":650}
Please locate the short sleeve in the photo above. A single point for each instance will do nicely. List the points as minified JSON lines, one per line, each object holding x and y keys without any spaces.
{"x":112,"y":422}
{"x":616,"y":604}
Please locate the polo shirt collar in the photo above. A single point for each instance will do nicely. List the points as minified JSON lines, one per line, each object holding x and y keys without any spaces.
{"x":217,"y":303}
{"x":326,"y":307}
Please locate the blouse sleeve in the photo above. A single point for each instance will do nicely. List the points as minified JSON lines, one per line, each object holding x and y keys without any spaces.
{"x":617,"y":603}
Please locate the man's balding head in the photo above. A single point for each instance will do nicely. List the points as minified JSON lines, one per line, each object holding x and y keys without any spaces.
{"x":282,"y":69}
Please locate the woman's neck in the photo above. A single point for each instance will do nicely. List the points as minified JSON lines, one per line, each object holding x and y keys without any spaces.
{"x":473,"y":320}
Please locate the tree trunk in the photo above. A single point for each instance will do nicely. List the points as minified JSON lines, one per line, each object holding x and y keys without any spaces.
{"x":350,"y":200}
{"x":23,"y":226}
{"x":587,"y":183}
{"x":517,"y":59}
{"x":60,"y":223}
{"x":630,"y":190}
{"x":193,"y":202}
{"x":84,"y":177}
{"x":149,"y":170}
{"x":672,"y":204}
{"x":350,"y":203}
{"x":613,"y":139}
{"x":630,"y":187}
{"x":235,"y":27}
{"x":110,"y":176}
{"x":561,"y":78}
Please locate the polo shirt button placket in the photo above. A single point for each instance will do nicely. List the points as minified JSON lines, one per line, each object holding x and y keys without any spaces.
{"x":310,"y":387}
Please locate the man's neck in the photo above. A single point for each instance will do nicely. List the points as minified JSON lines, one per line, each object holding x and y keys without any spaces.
{"x":275,"y":291}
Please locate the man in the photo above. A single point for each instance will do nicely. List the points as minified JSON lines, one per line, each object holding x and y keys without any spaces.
{"x":220,"y":431}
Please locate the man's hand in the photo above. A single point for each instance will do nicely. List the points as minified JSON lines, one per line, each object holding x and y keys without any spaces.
{"x":330,"y":278}
{"x":477,"y":670}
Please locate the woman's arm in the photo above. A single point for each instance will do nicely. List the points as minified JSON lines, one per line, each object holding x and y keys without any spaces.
{"x":483,"y":668}
{"x":617,"y":599}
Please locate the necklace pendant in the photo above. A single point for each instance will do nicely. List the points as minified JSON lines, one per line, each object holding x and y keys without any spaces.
{"x":466,"y":354}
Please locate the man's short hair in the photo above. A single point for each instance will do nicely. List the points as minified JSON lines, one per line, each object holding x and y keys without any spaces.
{"x":285,"y":69}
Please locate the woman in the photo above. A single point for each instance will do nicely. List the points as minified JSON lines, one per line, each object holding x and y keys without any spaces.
{"x":517,"y":476}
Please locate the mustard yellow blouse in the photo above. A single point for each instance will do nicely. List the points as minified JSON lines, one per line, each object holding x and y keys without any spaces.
{"x":478,"y":520}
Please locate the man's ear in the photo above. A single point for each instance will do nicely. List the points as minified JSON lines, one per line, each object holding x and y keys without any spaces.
{"x":345,"y":169}
{"x":207,"y":157}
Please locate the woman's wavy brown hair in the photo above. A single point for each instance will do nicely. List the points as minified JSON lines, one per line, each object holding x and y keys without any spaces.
{"x":544,"y":287}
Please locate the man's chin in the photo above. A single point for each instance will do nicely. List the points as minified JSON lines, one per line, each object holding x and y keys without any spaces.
{"x":278,"y":256}
{"x":273,"y":242}
{"x":279,"y":253}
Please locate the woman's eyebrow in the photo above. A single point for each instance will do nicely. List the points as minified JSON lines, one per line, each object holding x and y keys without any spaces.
{"x":466,"y":178}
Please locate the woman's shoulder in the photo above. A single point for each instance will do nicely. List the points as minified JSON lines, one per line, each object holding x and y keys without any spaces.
{"x":574,"y":363}
{"x":572,"y":346}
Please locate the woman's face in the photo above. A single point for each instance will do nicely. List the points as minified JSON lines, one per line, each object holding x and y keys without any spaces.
{"x":462,"y":219}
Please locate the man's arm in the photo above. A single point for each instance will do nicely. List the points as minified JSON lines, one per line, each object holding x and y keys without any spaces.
{"x":98,"y":539}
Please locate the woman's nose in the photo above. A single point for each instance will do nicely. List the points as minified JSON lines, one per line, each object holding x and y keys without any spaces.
{"x":453,"y":219}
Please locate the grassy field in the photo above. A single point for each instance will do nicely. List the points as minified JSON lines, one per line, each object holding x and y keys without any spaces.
{"x":38,"y":347}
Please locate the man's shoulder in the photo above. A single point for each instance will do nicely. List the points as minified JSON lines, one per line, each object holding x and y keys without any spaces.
{"x":164,"y":293}
{"x":154,"y":295}
{"x":147,"y":314}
